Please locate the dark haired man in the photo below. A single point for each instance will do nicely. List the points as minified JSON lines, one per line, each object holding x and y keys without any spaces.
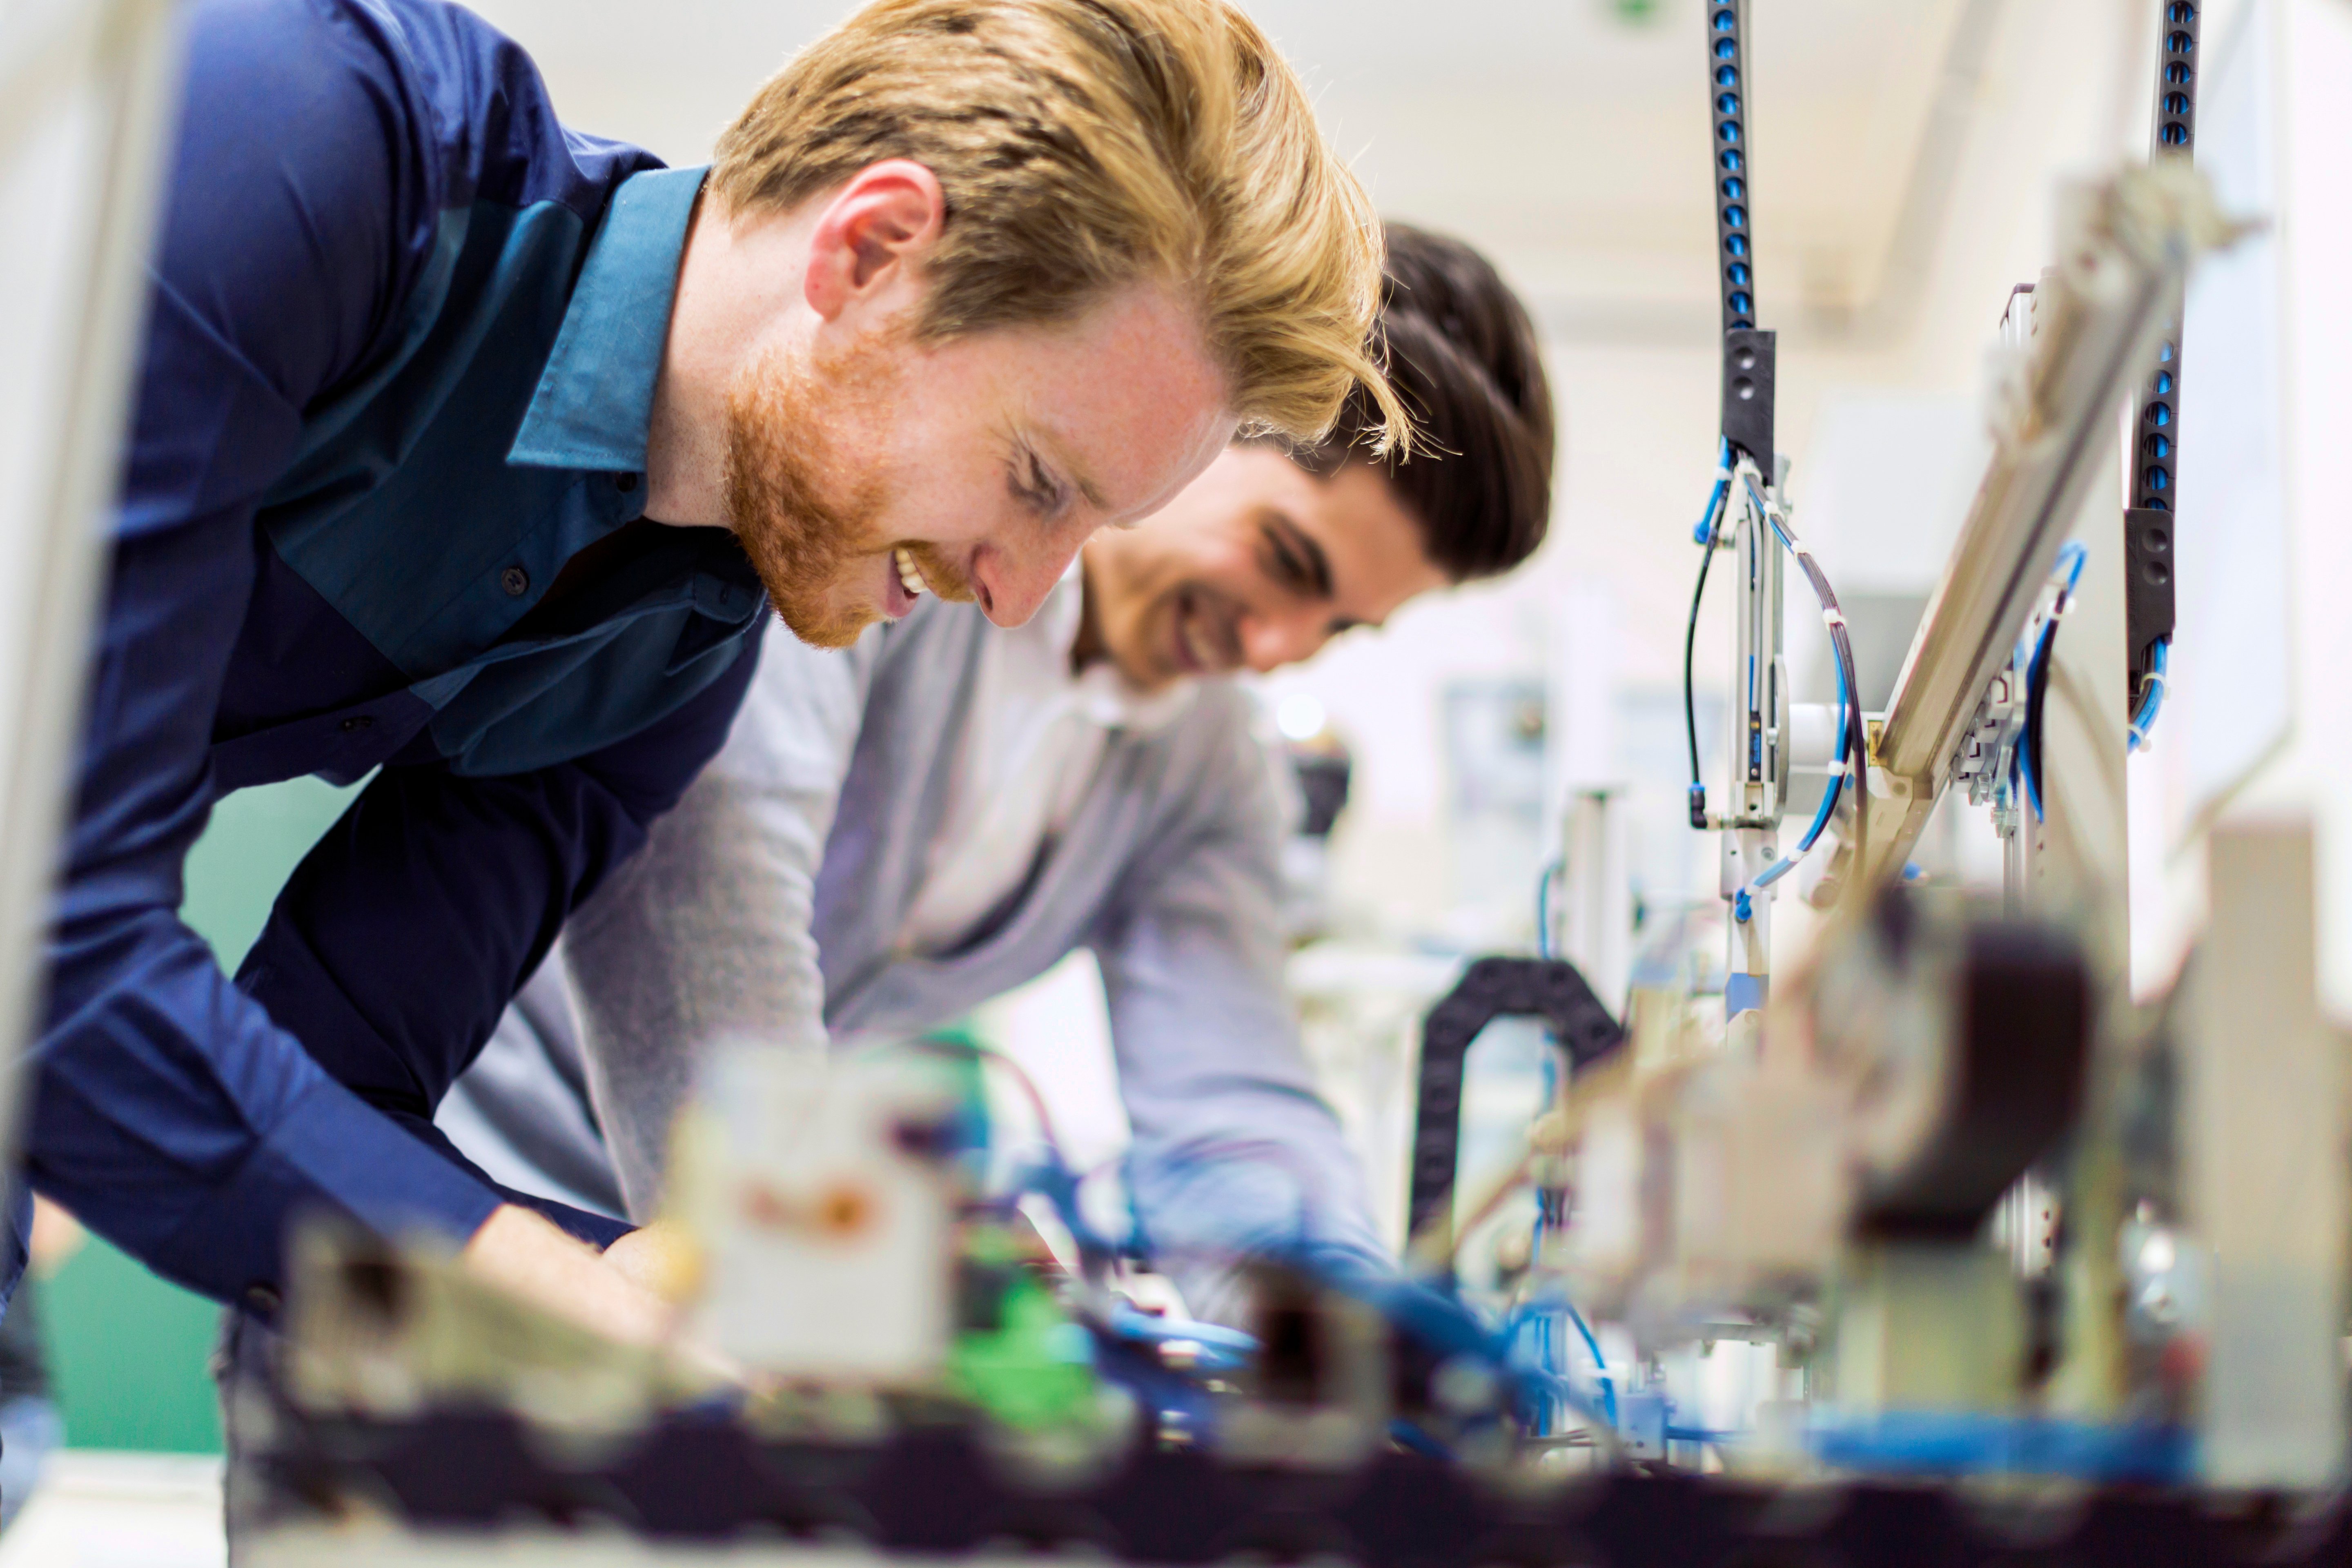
{"x":895,"y":833}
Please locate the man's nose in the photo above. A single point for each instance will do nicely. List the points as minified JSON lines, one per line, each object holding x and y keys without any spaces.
{"x":1011,"y":584}
{"x":1271,"y":640}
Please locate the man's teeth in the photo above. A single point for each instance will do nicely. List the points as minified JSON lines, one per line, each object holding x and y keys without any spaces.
{"x":911,"y":576}
{"x":1196,"y":644}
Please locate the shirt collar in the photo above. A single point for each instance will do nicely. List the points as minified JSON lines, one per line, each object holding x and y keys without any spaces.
{"x":1102,"y":694}
{"x":595,"y":396}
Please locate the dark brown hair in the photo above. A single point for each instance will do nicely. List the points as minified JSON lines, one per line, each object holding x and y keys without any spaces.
{"x":1462,"y":354}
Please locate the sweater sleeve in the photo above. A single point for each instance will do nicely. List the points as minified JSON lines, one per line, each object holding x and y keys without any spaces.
{"x":707,"y":936}
{"x":1236,"y":1152}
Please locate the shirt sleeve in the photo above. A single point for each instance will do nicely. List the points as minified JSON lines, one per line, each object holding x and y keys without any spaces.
{"x":1235,"y":1151}
{"x":169,"y":1111}
{"x":709,"y":935}
{"x":409,"y":928}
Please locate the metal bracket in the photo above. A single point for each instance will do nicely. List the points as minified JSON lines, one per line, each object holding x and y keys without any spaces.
{"x":1983,"y":764}
{"x":2148,"y":589}
{"x":1748,"y":392}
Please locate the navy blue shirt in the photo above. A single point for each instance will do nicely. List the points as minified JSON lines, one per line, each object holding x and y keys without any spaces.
{"x":382,"y":509}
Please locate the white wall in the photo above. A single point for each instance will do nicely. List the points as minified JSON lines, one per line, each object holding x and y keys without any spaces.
{"x":2306,"y":58}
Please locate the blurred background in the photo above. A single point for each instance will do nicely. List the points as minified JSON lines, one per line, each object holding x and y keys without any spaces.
{"x":1903,"y":178}
{"x":1905,"y":166}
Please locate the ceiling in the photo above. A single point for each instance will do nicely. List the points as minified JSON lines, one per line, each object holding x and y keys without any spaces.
{"x":1569,"y":138}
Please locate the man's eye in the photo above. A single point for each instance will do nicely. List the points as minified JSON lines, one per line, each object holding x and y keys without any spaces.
{"x":1035,"y":488}
{"x":1284,"y":561}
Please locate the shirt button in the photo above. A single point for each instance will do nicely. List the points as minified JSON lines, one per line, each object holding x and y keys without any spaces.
{"x":357,"y":722}
{"x":624,"y":483}
{"x":515,"y":581}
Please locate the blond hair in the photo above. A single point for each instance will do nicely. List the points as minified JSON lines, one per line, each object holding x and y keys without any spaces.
{"x":1087,"y":145}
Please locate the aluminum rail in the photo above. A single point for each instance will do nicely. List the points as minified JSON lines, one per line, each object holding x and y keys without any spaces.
{"x":2129,"y":244}
{"x":88,"y":95}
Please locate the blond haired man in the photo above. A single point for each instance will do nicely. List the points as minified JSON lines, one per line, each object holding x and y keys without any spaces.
{"x":468,"y":450}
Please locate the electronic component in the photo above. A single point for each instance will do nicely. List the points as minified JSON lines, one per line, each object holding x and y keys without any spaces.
{"x":823,"y":1206}
{"x":1871,"y":1221}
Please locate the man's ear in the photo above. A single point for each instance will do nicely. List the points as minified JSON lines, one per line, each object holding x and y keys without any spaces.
{"x":870,"y":231}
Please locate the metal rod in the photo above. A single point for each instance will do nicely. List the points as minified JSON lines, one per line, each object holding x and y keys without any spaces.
{"x":2128,"y":246}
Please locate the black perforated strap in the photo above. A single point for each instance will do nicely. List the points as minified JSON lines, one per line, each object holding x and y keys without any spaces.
{"x":2175,"y":135}
{"x":1726,"y":41}
{"x":1492,"y":988}
{"x":2148,"y":563}
{"x":1748,"y":354}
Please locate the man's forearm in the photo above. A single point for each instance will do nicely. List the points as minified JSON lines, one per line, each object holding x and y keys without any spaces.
{"x":527,"y":1256}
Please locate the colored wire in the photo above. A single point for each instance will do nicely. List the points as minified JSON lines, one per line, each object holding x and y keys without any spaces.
{"x":1854,"y":748}
{"x":1713,"y":1439}
{"x":1049,"y":1176}
{"x":1857,"y":743}
{"x":1441,"y":1322}
{"x":1705,"y":535}
{"x":2029,"y":744}
{"x":1940,"y":1442}
{"x":1535,"y":1310}
{"x":988,"y":1056}
{"x":2151,"y":701}
{"x":1839,"y":765}
{"x":1600,"y":1361}
{"x":1690,"y":700}
{"x":2071,"y":557}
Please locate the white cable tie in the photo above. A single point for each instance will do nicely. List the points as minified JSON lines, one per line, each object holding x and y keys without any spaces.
{"x":1832,"y":619}
{"x":1838,"y":768}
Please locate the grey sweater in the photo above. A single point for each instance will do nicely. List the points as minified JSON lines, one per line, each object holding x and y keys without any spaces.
{"x":768,"y":907}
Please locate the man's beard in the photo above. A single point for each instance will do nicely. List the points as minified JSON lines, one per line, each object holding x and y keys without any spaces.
{"x":808,"y":541}
{"x":804,"y":539}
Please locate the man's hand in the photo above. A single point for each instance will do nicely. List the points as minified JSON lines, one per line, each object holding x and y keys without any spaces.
{"x":660,"y":1259}
{"x":521,"y":1253}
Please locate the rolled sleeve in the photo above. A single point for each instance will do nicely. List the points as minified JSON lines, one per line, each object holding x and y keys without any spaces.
{"x":1236,"y":1152}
